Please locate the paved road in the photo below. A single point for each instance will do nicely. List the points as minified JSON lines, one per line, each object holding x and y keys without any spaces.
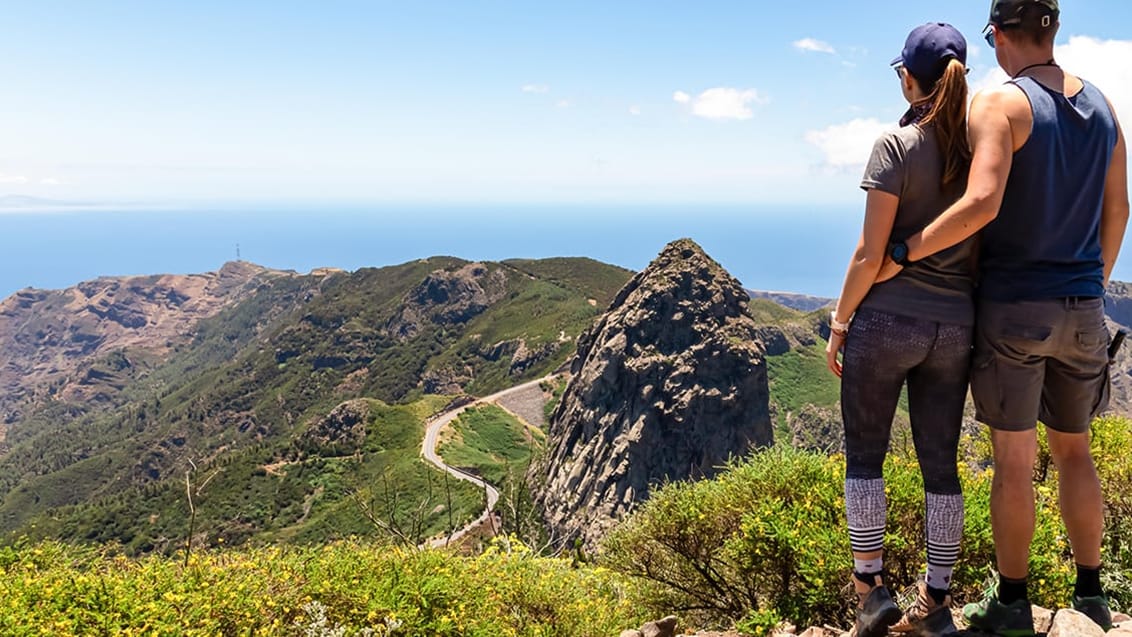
{"x":428,"y":451}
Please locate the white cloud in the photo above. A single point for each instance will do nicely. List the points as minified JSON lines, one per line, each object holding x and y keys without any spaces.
{"x":562,"y":103}
{"x":847,"y":145}
{"x":12,"y":179}
{"x":535,"y":88}
{"x":815,"y":46}
{"x":722,"y":102}
{"x":50,"y":181}
{"x":1105,"y":63}
{"x":634,"y":110}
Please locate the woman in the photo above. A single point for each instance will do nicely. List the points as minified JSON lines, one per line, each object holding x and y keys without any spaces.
{"x":915,"y":328}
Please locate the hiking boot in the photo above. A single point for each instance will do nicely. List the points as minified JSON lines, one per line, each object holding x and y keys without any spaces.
{"x":1007,"y":620}
{"x":926,"y":617}
{"x":1096,"y":608}
{"x":876,"y":613}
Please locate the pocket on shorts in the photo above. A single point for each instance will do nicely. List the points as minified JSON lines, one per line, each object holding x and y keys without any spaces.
{"x":1021,"y":341}
{"x":1025,"y":332}
{"x":1092,"y":339}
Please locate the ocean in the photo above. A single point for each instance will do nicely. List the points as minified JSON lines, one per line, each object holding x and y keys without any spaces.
{"x":794,"y":249}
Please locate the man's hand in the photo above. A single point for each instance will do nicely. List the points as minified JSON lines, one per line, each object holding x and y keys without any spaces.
{"x":888,"y":269}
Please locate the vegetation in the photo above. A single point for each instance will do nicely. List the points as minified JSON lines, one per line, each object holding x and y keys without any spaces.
{"x":555,"y":387}
{"x":307,"y":493}
{"x":491,"y":442}
{"x":348,"y":587}
{"x":256,"y":376}
{"x":767,"y":539}
{"x":799,"y":378}
{"x":767,"y":312}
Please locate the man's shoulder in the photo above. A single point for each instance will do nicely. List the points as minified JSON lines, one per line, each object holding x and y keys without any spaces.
{"x":1006,"y":105}
{"x":1002,"y":95}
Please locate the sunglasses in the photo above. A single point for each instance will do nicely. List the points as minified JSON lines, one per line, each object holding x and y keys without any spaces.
{"x":899,"y":68}
{"x":988,"y":33}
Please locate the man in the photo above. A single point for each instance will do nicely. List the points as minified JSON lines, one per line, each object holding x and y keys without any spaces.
{"x":1048,"y":188}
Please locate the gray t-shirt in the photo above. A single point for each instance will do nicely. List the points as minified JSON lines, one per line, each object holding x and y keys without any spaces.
{"x":906,"y":162}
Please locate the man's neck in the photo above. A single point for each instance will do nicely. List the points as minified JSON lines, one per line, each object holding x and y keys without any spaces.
{"x":1027,"y":59}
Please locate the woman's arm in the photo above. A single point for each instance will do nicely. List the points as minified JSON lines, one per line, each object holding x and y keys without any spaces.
{"x":880,"y":214}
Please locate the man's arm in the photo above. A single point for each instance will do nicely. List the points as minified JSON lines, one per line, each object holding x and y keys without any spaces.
{"x":992,"y":146}
{"x":1114,"y":210}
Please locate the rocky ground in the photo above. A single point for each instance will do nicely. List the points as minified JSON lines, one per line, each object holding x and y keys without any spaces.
{"x":527,"y":404}
{"x":1062,"y":623}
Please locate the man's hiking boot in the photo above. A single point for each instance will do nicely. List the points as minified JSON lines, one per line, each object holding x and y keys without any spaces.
{"x":926,"y":617}
{"x":876,"y":612}
{"x":1006,"y":620}
{"x":1096,"y":608}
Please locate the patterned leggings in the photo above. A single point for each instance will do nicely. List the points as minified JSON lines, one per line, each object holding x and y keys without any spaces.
{"x":882,"y":352}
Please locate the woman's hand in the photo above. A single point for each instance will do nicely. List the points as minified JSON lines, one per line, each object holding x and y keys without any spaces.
{"x":888,"y":269}
{"x":832,"y":349}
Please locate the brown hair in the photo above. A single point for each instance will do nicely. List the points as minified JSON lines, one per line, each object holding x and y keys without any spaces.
{"x":948,"y":114}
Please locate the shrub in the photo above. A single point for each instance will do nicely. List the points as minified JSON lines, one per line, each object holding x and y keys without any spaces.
{"x":344,"y":588}
{"x":767,"y":537}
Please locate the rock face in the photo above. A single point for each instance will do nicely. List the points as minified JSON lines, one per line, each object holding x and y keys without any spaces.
{"x":53,"y":339}
{"x":340,"y":432}
{"x":448,"y":298}
{"x":667,"y":385}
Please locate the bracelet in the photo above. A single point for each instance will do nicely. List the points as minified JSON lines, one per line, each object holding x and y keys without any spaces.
{"x":837,"y":326}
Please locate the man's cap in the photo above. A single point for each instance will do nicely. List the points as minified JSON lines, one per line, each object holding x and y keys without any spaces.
{"x":928,"y":47}
{"x":1013,"y":12}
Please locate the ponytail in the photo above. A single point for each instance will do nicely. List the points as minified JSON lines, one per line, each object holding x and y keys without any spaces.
{"x":949,"y":115}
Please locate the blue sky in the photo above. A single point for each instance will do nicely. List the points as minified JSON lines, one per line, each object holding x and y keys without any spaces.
{"x":614,"y":102}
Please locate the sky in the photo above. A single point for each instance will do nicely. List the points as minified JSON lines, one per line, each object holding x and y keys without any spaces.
{"x":202,"y":103}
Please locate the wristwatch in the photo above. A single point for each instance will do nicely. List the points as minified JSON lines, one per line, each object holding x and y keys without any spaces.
{"x":898,"y":252}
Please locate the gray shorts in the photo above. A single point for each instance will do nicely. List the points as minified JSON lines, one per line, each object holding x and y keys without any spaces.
{"x":1040,"y":360}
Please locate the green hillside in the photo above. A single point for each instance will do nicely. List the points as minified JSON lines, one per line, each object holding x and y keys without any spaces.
{"x":312,"y":492}
{"x":490,"y":442}
{"x":259,"y":374}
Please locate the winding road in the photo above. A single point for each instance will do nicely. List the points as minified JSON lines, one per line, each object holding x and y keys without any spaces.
{"x":428,"y":452}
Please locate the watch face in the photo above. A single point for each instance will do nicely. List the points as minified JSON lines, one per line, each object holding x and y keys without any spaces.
{"x":900,"y":253}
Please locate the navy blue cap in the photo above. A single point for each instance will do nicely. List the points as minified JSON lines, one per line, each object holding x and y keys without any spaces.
{"x":928,"y":46}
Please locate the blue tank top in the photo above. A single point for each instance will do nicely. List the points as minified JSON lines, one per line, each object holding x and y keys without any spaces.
{"x":1045,"y":242}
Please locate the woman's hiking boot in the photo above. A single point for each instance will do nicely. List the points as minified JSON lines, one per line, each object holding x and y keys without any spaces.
{"x":926,"y":617}
{"x":875,"y":610}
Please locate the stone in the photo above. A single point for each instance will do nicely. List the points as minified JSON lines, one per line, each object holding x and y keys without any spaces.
{"x":630,"y":633}
{"x":1120,"y":618}
{"x":667,"y":385}
{"x":1070,"y":623}
{"x":661,"y":628}
{"x":1043,"y":618}
{"x":1120,"y":631}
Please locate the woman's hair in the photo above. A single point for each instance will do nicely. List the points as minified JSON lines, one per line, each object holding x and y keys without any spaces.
{"x":948,"y":113}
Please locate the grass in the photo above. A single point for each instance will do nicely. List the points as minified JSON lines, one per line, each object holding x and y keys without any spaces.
{"x":799,"y":378}
{"x":766,"y":311}
{"x":491,"y":441}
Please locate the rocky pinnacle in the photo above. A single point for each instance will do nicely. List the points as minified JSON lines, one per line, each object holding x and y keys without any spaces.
{"x":667,"y":385}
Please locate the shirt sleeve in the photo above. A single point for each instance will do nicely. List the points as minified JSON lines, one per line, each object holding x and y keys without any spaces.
{"x":885,"y":170}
